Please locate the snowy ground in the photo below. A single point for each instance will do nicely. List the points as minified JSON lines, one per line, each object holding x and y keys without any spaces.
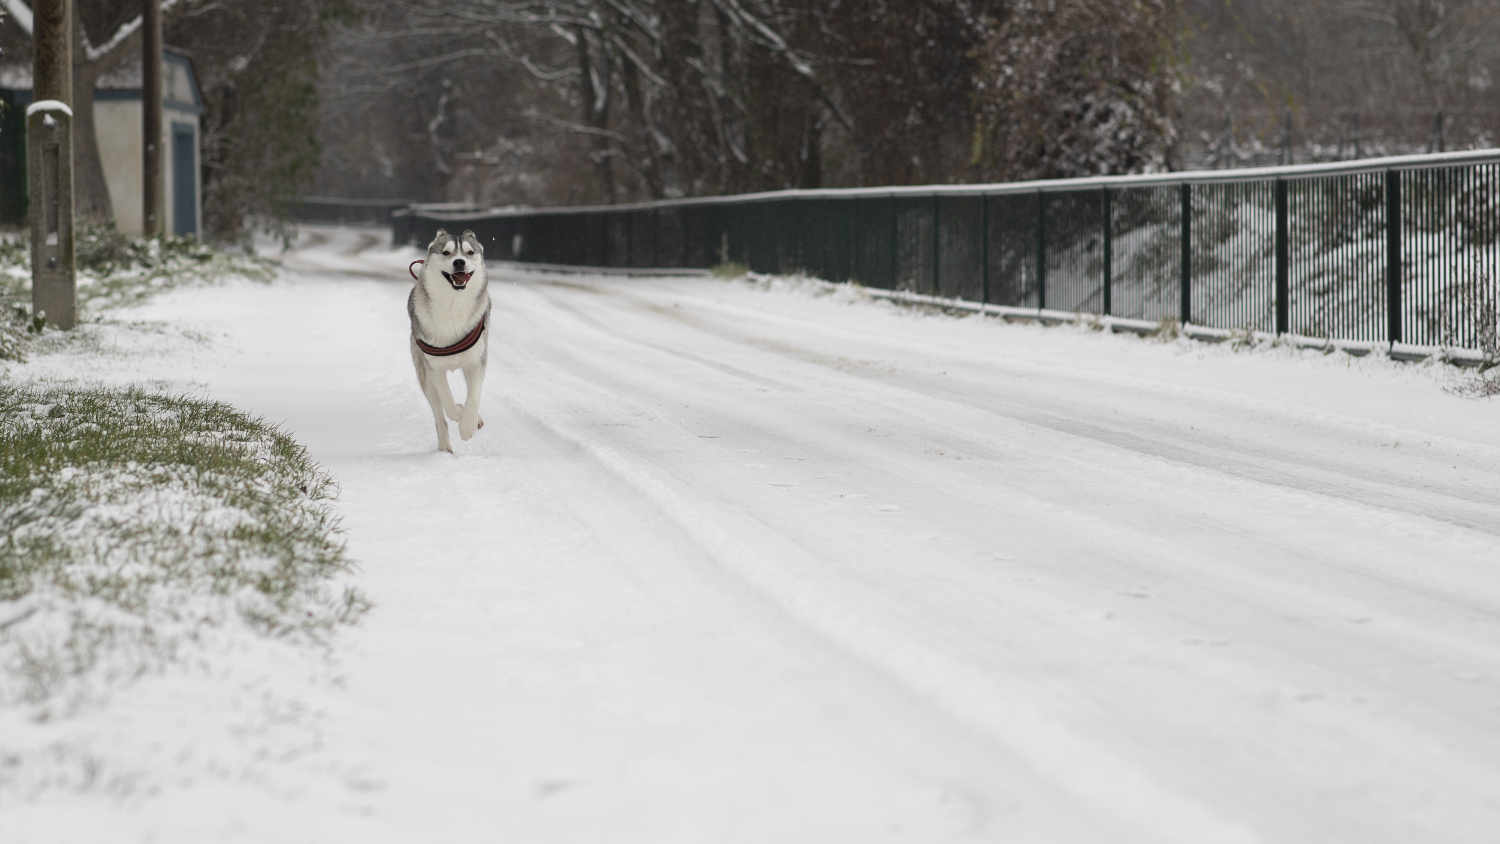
{"x":742,"y":562}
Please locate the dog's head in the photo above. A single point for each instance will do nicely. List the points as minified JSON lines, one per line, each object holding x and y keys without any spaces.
{"x":457,"y":259}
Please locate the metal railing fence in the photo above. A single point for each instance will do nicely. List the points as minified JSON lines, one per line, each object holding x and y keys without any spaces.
{"x":320,"y":209}
{"x":1399,"y":250}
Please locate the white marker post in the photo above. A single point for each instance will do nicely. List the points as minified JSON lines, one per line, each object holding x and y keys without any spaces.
{"x":49,"y":149}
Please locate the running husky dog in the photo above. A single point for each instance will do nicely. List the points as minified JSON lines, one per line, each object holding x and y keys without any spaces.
{"x":450,"y":311}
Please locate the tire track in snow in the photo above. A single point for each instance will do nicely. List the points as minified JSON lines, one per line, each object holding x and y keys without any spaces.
{"x":1309,"y":471}
{"x":1276,"y":594}
{"x":1054,"y":374}
{"x":1002,"y":436}
{"x":966,"y":427}
{"x":1091,"y":773}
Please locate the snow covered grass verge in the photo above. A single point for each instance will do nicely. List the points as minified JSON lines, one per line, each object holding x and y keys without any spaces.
{"x":173,"y":579}
{"x":137,"y":524}
{"x":1482,"y":383}
{"x":1470,"y":373}
{"x":114,"y":270}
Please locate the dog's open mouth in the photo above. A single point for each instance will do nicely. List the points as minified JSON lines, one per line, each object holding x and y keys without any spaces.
{"x":458,"y":280}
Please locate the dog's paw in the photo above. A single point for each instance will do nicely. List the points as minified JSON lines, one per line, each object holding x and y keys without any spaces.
{"x":467,"y":427}
{"x":455,"y":413}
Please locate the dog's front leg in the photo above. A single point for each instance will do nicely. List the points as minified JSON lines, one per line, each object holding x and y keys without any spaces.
{"x":428,"y":378}
{"x":445,"y":393}
{"x":469,"y":420}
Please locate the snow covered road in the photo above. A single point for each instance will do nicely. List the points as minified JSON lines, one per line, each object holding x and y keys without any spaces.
{"x":757,"y":562}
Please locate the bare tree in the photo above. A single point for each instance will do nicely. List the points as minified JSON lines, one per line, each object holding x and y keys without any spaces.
{"x":404,"y":92}
{"x":662,"y":98}
{"x":610,"y":100}
{"x":1449,"y":44}
{"x":1073,"y":88}
{"x":657,"y":95}
{"x":1371,"y":75}
{"x":906,"y":71}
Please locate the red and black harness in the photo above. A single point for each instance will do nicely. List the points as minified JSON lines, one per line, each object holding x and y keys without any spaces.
{"x":461,"y":346}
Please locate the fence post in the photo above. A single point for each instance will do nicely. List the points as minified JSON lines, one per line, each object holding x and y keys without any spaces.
{"x":1393,"y":254}
{"x":895,"y":244}
{"x":655,"y":237}
{"x":1283,"y":257}
{"x":1041,"y":250}
{"x":768,"y":229}
{"x":1187,"y":253}
{"x":629,"y":219}
{"x":1109,"y":249}
{"x":852,"y":230}
{"x":856,"y":245}
{"x":937,"y":245}
{"x":984,"y":249}
{"x":824,"y":261}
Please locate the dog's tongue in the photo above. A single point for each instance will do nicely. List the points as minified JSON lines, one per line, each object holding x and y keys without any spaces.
{"x":462,"y":278}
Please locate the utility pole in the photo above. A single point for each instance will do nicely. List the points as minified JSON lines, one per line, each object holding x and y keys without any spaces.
{"x":151,"y":119}
{"x":49,"y":140}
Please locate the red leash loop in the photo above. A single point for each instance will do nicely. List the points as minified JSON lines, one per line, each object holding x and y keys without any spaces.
{"x":414,"y":276}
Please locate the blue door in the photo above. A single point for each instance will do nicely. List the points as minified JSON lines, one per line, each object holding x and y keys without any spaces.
{"x":184,"y":179}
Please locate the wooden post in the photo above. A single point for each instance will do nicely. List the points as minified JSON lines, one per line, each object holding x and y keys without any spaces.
{"x":152,"y":183}
{"x":49,"y":139}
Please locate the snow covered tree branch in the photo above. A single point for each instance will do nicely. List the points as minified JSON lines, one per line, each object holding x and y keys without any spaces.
{"x":19,"y":14}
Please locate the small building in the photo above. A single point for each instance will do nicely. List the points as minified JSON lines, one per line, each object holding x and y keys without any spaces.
{"x":117,"y":123}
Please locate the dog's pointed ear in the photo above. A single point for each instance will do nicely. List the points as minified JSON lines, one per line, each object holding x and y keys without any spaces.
{"x":442,"y":233}
{"x":469,"y":236}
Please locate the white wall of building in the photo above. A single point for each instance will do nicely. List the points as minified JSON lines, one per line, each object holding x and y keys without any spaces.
{"x":117,"y":123}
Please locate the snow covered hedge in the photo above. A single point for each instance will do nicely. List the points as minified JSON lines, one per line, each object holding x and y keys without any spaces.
{"x":114,"y":269}
{"x":137,"y":524}
{"x":12,"y":328}
{"x":13,"y":314}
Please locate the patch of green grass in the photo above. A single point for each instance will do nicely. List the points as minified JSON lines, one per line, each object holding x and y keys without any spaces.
{"x":136,"y":523}
{"x":729,"y":270}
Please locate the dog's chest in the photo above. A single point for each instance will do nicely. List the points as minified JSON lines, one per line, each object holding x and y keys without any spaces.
{"x":444,"y":319}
